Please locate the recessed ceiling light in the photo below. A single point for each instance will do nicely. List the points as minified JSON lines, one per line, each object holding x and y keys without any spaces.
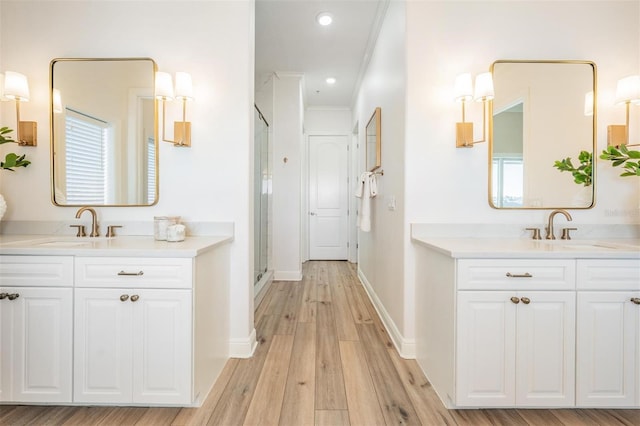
{"x":331,"y":80}
{"x":324,"y":19}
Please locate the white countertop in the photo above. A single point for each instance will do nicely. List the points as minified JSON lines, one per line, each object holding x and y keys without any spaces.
{"x":528,"y":248}
{"x":129,"y":246}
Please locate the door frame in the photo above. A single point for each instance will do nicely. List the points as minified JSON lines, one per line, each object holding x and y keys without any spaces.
{"x":304,"y":210}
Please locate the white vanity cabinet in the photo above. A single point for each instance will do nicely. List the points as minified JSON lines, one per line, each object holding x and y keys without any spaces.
{"x":133,"y":340}
{"x":36,"y":312}
{"x":608,"y":341}
{"x":515,"y":346}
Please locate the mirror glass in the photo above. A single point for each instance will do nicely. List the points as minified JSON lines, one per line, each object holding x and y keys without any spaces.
{"x":539,"y":116}
{"x":103,"y":132}
{"x":373,"y":141}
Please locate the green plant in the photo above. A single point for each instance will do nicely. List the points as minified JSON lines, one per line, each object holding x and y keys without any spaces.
{"x":623,"y":155}
{"x":11,"y":160}
{"x":583,"y":174}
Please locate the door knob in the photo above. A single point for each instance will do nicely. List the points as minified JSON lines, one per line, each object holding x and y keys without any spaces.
{"x":13,"y":296}
{"x":312,"y":213}
{"x":124,"y":297}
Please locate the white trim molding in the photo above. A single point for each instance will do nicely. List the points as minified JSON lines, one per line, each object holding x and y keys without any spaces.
{"x":287,"y":275}
{"x":243,"y":347}
{"x":405,"y":347}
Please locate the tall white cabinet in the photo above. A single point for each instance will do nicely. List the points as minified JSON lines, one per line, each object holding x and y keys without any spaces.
{"x":543,"y":331}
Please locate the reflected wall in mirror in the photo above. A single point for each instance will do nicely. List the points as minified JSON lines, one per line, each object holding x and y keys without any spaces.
{"x":538,"y":116}
{"x":373,"y":145}
{"x":103,"y":132}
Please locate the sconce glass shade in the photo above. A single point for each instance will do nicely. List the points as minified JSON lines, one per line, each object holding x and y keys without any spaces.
{"x":184,"y":86}
{"x":16,"y":86}
{"x":588,"y":104}
{"x":463,"y":89}
{"x":164,"y":85}
{"x":57,"y":101}
{"x":628,"y":89}
{"x":484,"y":87}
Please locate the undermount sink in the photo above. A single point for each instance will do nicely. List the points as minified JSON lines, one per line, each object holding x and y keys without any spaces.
{"x":589,"y":245}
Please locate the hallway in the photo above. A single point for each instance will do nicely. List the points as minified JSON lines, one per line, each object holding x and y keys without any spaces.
{"x":323,"y":358}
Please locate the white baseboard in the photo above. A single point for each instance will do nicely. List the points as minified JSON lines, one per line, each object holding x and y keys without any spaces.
{"x":406,"y":347}
{"x":260,"y":289}
{"x":287,"y":275}
{"x":243,"y":347}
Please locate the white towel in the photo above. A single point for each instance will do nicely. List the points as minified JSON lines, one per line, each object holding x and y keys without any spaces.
{"x":366,"y":190}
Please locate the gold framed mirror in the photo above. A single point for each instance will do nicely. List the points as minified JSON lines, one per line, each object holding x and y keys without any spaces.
{"x":104,"y":140}
{"x":373,"y":141}
{"x":543,"y":111}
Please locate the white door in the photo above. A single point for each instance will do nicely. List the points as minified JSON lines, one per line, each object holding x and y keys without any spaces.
{"x":545,"y":352}
{"x":486,"y":348}
{"x":328,"y":197}
{"x":608,"y":328}
{"x":102,"y":345}
{"x":42,"y":342}
{"x":161,"y":346}
{"x":6,"y":355}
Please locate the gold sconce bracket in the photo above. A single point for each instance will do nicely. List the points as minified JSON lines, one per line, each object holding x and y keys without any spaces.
{"x":27,"y":133}
{"x":464,"y":135}
{"x":182,"y":133}
{"x":616,"y":135}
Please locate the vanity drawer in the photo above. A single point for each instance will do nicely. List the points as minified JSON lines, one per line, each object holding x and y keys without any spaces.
{"x":516,"y":274}
{"x":121,"y":272}
{"x":36,"y":271}
{"x":609,"y":274}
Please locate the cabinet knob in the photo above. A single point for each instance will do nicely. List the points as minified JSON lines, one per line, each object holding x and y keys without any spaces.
{"x":135,"y":298}
{"x":13,"y":296}
{"x":124,"y":297}
{"x":3,"y":295}
{"x":635,"y":300}
{"x":525,"y":300}
{"x":515,"y":300}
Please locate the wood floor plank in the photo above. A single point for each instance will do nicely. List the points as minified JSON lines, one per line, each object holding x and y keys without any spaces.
{"x":260,"y":310}
{"x":364,"y":408}
{"x":612,"y":417}
{"x":307,"y":312}
{"x":266,"y":403}
{"x":396,"y":405}
{"x":289,"y":314}
{"x":88,"y":416}
{"x":278,"y":299}
{"x":235,"y":399}
{"x":158,"y":416}
{"x":539,"y":417}
{"x":330,"y":394}
{"x":573,"y":417}
{"x":345,"y":325}
{"x":470,"y":418}
{"x":428,"y":406}
{"x":359,"y":310}
{"x":298,"y":407}
{"x":332,"y":418}
{"x":322,"y":282}
{"x":377,"y":322}
{"x":21,"y":415}
{"x":122,"y":416}
{"x":53,"y":416}
{"x":198,"y":416}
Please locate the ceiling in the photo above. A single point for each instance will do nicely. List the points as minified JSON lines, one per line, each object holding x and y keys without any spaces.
{"x":289,"y":40}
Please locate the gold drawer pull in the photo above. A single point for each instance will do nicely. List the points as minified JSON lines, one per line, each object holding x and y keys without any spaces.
{"x":525,"y":300}
{"x":135,"y":298}
{"x":636,"y":300}
{"x":124,"y":297}
{"x":525,"y":275}
{"x":135,"y":274}
{"x":3,"y":295}
{"x":515,"y":300}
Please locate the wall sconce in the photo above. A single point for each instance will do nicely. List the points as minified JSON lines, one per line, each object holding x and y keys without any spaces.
{"x":463,"y":92}
{"x":183,"y":91}
{"x":16,"y":88}
{"x":627,"y":92}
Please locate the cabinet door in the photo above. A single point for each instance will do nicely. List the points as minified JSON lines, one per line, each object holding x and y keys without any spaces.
{"x":6,"y":355}
{"x":486,"y":333}
{"x":42,"y":342}
{"x":162,"y":346}
{"x":607,"y":361}
{"x":102,"y":350}
{"x":545,"y":354}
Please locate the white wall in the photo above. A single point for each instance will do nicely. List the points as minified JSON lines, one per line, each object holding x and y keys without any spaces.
{"x":209,"y":182}
{"x":381,"y":251}
{"x":449,"y":185}
{"x":288,"y":115}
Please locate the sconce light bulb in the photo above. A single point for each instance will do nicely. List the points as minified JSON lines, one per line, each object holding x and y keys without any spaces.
{"x":16,"y":86}
{"x":484,"y":87}
{"x":462,"y":89}
{"x":628,"y":89}
{"x":184,"y":85}
{"x":324,"y":19}
{"x":164,"y":85}
{"x":57,"y":101}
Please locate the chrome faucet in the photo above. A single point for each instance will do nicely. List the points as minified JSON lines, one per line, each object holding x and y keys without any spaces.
{"x":94,"y":220}
{"x":549,"y":228}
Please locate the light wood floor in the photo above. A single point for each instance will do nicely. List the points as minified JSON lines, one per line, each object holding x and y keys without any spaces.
{"x":323,"y":358}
